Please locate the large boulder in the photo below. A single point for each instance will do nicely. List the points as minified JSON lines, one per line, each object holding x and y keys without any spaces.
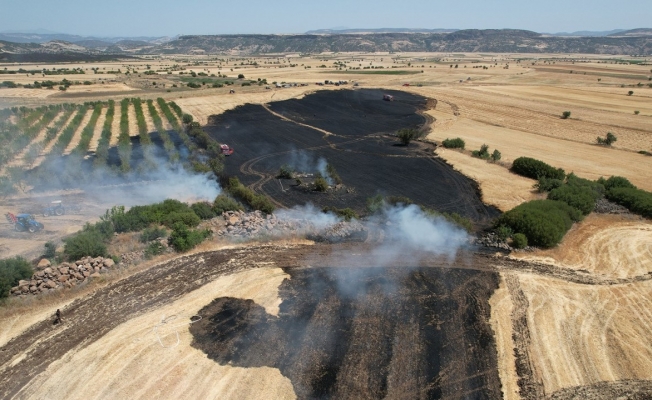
{"x":63,"y":278}
{"x":44,"y":263}
{"x":108,"y":262}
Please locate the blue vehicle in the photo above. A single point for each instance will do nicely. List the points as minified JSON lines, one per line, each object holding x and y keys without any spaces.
{"x":24,"y":222}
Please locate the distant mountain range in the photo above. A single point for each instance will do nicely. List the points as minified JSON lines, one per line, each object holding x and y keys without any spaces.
{"x":633,"y":42}
{"x":379,"y":30}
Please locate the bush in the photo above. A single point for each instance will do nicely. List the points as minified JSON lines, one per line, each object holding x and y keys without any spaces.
{"x":375,"y":204}
{"x":519,"y":241}
{"x":186,"y":119}
{"x":320,"y":184}
{"x":332,"y":173}
{"x":636,"y":200}
{"x":482,"y":153}
{"x":543,"y":222}
{"x":255,"y":201}
{"x":565,"y":115}
{"x":89,"y":242}
{"x":187,"y":218}
{"x":616,"y":182}
{"x":581,"y":198}
{"x":154,"y":249}
{"x":496,"y":156}
{"x":547,"y":184}
{"x":285,"y":172}
{"x":504,"y":232}
{"x":535,"y":169}
{"x":183,"y":239}
{"x":406,"y":135}
{"x":13,"y":270}
{"x":50,"y":250}
{"x":224,"y":203}
{"x":152,"y":233}
{"x":456,"y":143}
{"x":608,"y":140}
{"x":203,"y":210}
{"x":346,"y":213}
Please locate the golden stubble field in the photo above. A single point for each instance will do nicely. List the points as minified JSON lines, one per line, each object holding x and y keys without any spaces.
{"x":580,"y":334}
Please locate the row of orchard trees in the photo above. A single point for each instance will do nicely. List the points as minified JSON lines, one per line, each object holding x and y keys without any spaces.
{"x":60,"y":137}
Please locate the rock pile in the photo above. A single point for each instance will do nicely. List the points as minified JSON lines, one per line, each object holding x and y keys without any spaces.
{"x":240,"y":224}
{"x":490,"y":239}
{"x":604,"y":206}
{"x":64,"y":275}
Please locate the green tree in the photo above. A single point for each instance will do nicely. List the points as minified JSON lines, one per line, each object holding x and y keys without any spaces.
{"x":565,"y":115}
{"x":186,"y":119}
{"x":495,"y":156}
{"x":406,"y":135}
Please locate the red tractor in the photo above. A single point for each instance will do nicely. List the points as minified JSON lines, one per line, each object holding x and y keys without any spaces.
{"x":226,"y":150}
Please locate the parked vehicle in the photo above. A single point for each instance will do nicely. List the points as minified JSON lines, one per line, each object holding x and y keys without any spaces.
{"x":226,"y":150}
{"x":24,"y":222}
{"x":56,"y":208}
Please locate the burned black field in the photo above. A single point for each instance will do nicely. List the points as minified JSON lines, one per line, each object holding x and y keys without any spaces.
{"x":351,"y":130}
{"x":365,"y":333}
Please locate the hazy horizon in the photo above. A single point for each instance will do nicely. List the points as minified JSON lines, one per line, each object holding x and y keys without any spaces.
{"x":170,"y":18}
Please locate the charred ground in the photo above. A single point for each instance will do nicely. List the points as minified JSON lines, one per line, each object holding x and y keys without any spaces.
{"x":365,"y":333}
{"x":351,"y":130}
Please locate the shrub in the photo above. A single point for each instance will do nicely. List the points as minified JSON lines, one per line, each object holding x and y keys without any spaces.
{"x":565,"y":115}
{"x":519,"y":241}
{"x":152,"y":233}
{"x":631,"y":92}
{"x":346,"y":213}
{"x":375,"y":204}
{"x":636,"y":112}
{"x":285,"y":172}
{"x":154,"y":249}
{"x":320,"y":184}
{"x":83,"y":244}
{"x":186,"y":119}
{"x":535,"y":169}
{"x":183,"y":239}
{"x":636,"y":200}
{"x":50,"y":250}
{"x":187,"y":218}
{"x":504,"y":232}
{"x":616,"y":182}
{"x":543,"y":222}
{"x":547,"y":184}
{"x":332,"y":173}
{"x":456,"y":143}
{"x":608,"y":140}
{"x":406,"y":135}
{"x":255,"y":201}
{"x":496,"y":156}
{"x":578,"y":197}
{"x":203,"y":210}
{"x":13,"y":270}
{"x":224,"y":203}
{"x":482,"y":153}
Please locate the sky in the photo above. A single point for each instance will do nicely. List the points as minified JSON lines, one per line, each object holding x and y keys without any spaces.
{"x":173,"y":17}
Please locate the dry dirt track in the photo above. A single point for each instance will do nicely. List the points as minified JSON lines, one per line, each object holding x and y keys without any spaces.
{"x":118,"y":320}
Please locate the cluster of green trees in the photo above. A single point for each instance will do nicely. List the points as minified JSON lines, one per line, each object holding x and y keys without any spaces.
{"x":64,"y":138}
{"x":173,"y":119}
{"x":249,"y":197}
{"x":623,"y":192}
{"x":162,"y":132}
{"x":406,"y":135}
{"x":181,"y":218}
{"x":145,"y":140}
{"x":607,"y":140}
{"x":89,"y":130}
{"x":483,"y":153}
{"x":543,"y":222}
{"x":102,"y":151}
{"x":124,"y":140}
{"x":12,"y":270}
{"x":535,"y":169}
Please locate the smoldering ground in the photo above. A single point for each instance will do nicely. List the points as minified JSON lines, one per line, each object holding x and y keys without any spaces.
{"x":361,"y":327}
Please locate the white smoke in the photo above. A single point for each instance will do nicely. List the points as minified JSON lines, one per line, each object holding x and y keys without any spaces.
{"x":309,"y":215}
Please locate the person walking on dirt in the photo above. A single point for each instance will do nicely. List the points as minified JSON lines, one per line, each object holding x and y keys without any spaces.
{"x":58,"y":318}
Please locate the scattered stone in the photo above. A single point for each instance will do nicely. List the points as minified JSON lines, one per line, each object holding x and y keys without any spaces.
{"x":44,"y":263}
